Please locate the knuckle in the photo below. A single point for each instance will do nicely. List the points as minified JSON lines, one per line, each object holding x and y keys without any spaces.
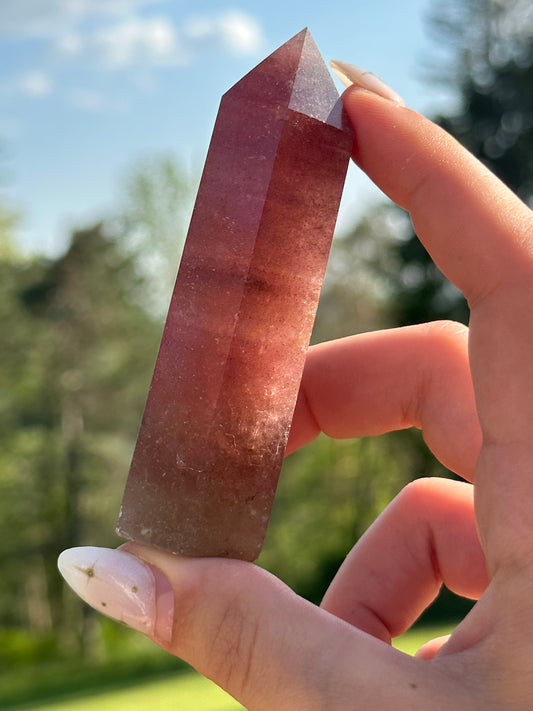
{"x":217,"y":629}
{"x":234,"y":642}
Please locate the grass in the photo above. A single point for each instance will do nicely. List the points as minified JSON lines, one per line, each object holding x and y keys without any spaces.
{"x":177,"y":689}
{"x":188,"y":692}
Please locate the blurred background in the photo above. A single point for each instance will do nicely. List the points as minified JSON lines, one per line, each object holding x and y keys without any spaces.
{"x":106,"y":113}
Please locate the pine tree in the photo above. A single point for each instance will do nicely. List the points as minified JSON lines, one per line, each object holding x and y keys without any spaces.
{"x":490,"y":45}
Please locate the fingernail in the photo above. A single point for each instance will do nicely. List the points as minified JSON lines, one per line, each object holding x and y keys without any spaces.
{"x":350,"y":75}
{"x":122,"y":587}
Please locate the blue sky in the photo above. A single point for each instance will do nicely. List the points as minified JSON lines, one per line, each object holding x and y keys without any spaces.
{"x":89,"y":87}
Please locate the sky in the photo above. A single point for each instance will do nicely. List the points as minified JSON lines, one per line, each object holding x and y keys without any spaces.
{"x":88,"y":88}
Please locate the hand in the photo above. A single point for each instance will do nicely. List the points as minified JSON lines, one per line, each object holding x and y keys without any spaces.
{"x":470,"y":391}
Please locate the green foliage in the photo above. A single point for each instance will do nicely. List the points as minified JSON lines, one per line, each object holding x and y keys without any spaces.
{"x":146,"y":682}
{"x":328,"y":495}
{"x":357,"y":294}
{"x":490,"y":65}
{"x":19,"y":647}
{"x":152,"y":221}
{"x":8,"y":221}
{"x":76,"y":366}
{"x":496,"y":121}
{"x":31,"y":679}
{"x":133,"y":689}
{"x":420,"y":291}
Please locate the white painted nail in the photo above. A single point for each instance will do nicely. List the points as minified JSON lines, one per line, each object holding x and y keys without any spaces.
{"x":123,"y":587}
{"x":350,"y":75}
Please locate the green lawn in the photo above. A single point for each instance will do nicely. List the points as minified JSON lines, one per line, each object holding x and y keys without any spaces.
{"x":414,"y":639}
{"x":185,"y":691}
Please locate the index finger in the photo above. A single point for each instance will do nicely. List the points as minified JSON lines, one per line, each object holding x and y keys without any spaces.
{"x":476,"y":229}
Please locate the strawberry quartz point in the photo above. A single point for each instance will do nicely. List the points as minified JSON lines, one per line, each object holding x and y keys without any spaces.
{"x":220,"y":405}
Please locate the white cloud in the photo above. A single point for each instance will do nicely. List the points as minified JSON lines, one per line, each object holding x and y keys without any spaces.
{"x":70,"y":42}
{"x":93,"y":35}
{"x":35,"y":83}
{"x":235,"y":31}
{"x":75,"y":25}
{"x":51,"y":18}
{"x":108,"y":7}
{"x":137,"y":41}
{"x":156,"y":41}
{"x":240,"y":33}
{"x":132,"y":42}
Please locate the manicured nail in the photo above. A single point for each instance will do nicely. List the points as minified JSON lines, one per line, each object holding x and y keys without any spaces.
{"x":350,"y":74}
{"x":123,"y":587}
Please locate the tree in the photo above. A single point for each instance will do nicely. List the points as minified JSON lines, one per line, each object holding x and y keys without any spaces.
{"x":8,"y":221}
{"x":82,"y":333}
{"x":490,"y":65}
{"x":152,"y":222}
{"x":76,"y":370}
{"x":329,"y":493}
{"x":356,"y":295}
{"x":495,"y":119}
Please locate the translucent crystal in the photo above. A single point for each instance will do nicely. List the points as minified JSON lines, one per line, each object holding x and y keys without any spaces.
{"x":219,"y":409}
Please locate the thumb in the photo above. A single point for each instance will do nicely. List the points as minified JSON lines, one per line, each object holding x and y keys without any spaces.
{"x":248,"y":632}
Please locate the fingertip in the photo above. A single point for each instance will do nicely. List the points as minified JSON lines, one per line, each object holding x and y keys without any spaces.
{"x":304,"y":427}
{"x":387,"y":135}
{"x":360,"y":103}
{"x":121,"y":586}
{"x":350,"y":75}
{"x":430,"y":649}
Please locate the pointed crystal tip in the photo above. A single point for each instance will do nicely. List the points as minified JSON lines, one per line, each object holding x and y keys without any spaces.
{"x":314,"y":92}
{"x":295,"y":75}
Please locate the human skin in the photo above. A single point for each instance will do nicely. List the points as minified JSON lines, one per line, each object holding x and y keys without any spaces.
{"x":470,"y":392}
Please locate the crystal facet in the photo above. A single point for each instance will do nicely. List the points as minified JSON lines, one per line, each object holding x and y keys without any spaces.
{"x":217,"y":418}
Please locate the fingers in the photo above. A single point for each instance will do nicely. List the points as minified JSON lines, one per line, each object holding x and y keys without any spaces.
{"x":478,"y":232}
{"x":480,"y":235}
{"x":427,"y":537}
{"x":474,"y":227}
{"x":382,"y":381}
{"x":431,"y":648}
{"x":249,"y":633}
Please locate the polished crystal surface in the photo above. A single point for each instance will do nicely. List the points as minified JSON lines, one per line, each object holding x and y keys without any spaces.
{"x":219,"y":409}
